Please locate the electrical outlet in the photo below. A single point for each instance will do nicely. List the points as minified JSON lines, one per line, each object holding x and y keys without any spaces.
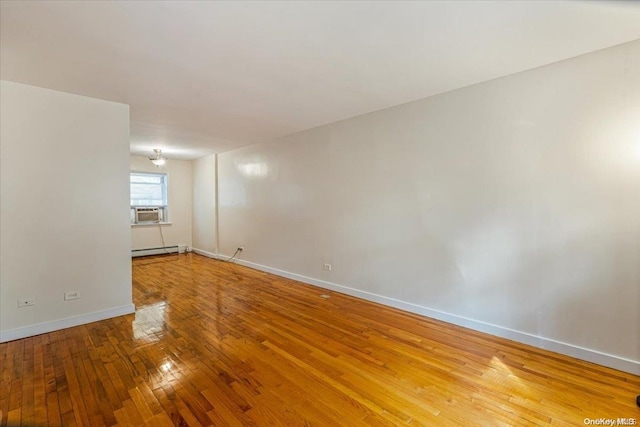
{"x":25,"y":302}
{"x":71,"y":295}
{"x":327,"y":267}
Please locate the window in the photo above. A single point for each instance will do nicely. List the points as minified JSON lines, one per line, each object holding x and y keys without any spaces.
{"x":148,"y":190}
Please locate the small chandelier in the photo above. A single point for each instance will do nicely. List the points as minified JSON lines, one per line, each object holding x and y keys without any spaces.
{"x":157,"y":159}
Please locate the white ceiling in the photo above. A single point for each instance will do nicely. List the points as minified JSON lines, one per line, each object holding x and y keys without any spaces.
{"x":204,"y":77}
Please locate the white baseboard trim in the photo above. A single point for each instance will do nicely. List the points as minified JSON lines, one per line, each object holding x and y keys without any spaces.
{"x":154,"y":251}
{"x":69,"y":322}
{"x":205,"y":253}
{"x":589,"y":355}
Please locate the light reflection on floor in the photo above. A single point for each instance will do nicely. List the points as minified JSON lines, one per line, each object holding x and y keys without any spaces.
{"x":149,"y":323}
{"x":149,"y":327}
{"x":500,"y":373}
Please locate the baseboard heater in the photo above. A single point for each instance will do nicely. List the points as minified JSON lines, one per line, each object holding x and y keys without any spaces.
{"x":162,"y":250}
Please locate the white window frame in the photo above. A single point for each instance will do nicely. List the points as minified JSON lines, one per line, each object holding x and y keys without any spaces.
{"x":164,"y":208}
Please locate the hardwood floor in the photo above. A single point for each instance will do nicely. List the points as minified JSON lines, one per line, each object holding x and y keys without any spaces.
{"x":214,"y":343}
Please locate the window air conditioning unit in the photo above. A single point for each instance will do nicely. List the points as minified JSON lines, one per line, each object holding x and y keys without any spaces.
{"x":147,"y":214}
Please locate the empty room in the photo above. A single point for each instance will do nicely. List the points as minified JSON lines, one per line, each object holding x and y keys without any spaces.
{"x":319,"y":213}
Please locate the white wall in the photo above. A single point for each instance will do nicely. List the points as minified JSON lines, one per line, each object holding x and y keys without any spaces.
{"x":204,"y":205}
{"x":64,"y":209}
{"x":511,"y":206}
{"x":179,"y":193}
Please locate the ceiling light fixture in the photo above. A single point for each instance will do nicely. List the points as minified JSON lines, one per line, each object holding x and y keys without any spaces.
{"x":157,"y":159}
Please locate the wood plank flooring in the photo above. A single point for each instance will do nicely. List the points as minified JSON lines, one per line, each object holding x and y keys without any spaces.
{"x":215,"y":343}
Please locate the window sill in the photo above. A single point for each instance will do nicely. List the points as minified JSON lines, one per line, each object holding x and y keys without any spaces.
{"x":150,"y":224}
